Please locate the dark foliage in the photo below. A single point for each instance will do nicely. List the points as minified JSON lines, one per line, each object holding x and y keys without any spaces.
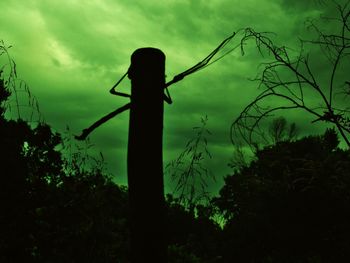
{"x":52,"y":210}
{"x":192,"y":238}
{"x":48,"y":215}
{"x":292,"y":204}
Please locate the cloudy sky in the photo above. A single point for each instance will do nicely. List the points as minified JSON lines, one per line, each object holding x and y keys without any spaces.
{"x":70,"y":52}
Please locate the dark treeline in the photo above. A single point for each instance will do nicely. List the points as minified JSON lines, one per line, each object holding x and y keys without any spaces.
{"x":55,"y":210}
{"x":291,"y":204}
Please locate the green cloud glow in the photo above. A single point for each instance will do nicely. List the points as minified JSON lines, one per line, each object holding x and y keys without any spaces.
{"x":71,"y":52}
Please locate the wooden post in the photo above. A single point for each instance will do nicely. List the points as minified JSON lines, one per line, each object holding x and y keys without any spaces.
{"x":145,"y":159}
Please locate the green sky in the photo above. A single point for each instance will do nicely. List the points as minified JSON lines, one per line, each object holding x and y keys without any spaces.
{"x":70,"y":52}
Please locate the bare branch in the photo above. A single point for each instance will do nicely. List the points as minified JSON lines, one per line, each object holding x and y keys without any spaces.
{"x":287,"y":78}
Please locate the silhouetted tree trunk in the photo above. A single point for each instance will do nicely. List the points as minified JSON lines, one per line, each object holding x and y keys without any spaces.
{"x":145,"y":160}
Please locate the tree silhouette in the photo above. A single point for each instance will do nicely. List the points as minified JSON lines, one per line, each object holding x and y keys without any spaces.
{"x":51,"y":216}
{"x":193,"y":235}
{"x":53,"y":210}
{"x":290,"y":79}
{"x":289,"y":205}
{"x":279,"y":130}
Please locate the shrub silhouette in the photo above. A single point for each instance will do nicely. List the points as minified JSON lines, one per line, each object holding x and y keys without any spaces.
{"x":52,"y":210}
{"x":49,"y":214}
{"x":289,"y":205}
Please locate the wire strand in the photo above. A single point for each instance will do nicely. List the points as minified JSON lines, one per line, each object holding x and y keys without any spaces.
{"x":199,"y":66}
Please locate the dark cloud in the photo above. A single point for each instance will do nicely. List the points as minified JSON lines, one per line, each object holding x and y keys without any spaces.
{"x":302,"y":5}
{"x":71,"y":53}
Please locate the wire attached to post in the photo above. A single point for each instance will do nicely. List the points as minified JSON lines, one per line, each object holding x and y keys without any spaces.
{"x":200,"y":65}
{"x":167,"y":97}
{"x":114,"y":92}
{"x":204,"y":63}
